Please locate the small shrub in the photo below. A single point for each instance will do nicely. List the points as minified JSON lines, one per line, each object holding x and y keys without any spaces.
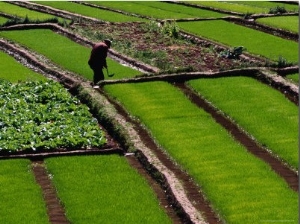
{"x":277,"y":10}
{"x":282,"y":62}
{"x":171,"y":29}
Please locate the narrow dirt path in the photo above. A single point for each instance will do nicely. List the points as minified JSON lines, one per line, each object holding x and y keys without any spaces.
{"x":55,"y":210}
{"x":253,"y":147}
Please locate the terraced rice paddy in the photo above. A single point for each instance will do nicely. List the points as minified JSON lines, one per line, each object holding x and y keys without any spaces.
{"x":189,"y":153}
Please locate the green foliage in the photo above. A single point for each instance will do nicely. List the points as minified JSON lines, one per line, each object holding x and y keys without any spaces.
{"x":257,"y":42}
{"x":171,"y":29}
{"x":101,"y":14}
{"x":65,"y":52}
{"x":13,"y":71}
{"x":241,"y":187}
{"x":233,"y":53}
{"x":26,"y":14}
{"x":160,"y":10}
{"x":109,"y":188}
{"x":260,"y":110}
{"x":290,"y":23}
{"x":42,"y":115}
{"x":21,"y":198}
{"x":27,"y":20}
{"x":277,"y":10}
{"x":282,"y":62}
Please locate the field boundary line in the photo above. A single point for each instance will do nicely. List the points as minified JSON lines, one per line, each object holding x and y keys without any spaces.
{"x":55,"y":210}
{"x":113,"y":54}
{"x":289,"y":89}
{"x":54,"y":11}
{"x":240,"y":135}
{"x":73,"y":83}
{"x":176,"y":185}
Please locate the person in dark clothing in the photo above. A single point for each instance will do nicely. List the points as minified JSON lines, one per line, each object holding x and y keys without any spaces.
{"x":98,"y":59}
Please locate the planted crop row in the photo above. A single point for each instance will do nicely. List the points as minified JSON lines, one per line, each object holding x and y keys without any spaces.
{"x":2,"y":20}
{"x":256,"y":42}
{"x":110,"y":191}
{"x":246,"y":6}
{"x":21,"y":198}
{"x":241,"y":188}
{"x":18,"y":11}
{"x":42,"y":115}
{"x":260,"y":110}
{"x":294,"y":78}
{"x":290,"y":23}
{"x":100,"y":14}
{"x":13,"y":71}
{"x":160,"y":10}
{"x":64,"y":52}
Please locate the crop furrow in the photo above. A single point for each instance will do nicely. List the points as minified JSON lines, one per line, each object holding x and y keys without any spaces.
{"x":252,"y":146}
{"x":55,"y":210}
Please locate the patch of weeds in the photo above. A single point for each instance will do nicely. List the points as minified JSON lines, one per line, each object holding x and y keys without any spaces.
{"x":277,"y":10}
{"x":282,"y":62}
{"x":171,"y":29}
{"x":26,"y":20}
{"x":247,"y":15}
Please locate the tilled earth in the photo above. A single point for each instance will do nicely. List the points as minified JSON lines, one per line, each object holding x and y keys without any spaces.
{"x":159,"y":48}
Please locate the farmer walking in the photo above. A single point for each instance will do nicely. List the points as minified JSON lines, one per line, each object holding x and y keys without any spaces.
{"x":98,"y":59}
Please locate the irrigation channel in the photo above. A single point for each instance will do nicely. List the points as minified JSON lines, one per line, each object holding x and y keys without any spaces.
{"x":164,"y":172}
{"x":178,"y":194}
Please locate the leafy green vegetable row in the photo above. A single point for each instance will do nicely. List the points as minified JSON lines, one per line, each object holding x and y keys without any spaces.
{"x":42,"y":115}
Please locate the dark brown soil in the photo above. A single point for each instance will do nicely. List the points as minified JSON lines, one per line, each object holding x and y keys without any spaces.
{"x":55,"y":210}
{"x":159,"y":49}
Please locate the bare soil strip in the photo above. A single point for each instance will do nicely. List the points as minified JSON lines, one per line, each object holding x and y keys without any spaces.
{"x":55,"y":210}
{"x":289,"y":175}
{"x":167,"y":201}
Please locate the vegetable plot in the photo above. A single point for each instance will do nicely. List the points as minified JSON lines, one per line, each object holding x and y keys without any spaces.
{"x":42,"y":115}
{"x":64,"y":52}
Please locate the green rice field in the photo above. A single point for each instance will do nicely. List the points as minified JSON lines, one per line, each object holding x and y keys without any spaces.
{"x":256,"y":42}
{"x":290,"y":23}
{"x":110,"y":191}
{"x":59,"y":49}
{"x":239,"y":186}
